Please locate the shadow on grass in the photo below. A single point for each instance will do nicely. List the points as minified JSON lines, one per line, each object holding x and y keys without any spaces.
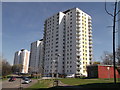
{"x":85,"y":87}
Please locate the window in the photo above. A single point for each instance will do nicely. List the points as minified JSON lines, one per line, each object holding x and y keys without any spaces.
{"x":56,"y":31}
{"x":67,"y":58}
{"x":56,"y":46}
{"x":56,"y":38}
{"x":56,"y":50}
{"x":56,"y":34}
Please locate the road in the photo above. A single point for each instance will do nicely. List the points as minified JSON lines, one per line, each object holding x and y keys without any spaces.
{"x":6,"y":85}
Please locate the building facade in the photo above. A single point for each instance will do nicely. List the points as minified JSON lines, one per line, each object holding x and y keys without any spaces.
{"x":36,"y":56}
{"x":17,"y":57}
{"x":102,"y":71}
{"x":22,"y":58}
{"x":67,"y":43}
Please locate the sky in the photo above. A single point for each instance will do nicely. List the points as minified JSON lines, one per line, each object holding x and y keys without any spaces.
{"x":23,"y":23}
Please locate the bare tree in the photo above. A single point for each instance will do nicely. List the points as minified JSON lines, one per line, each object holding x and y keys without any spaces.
{"x":6,"y":68}
{"x":17,"y":68}
{"x":107,"y":58}
{"x":114,"y":31}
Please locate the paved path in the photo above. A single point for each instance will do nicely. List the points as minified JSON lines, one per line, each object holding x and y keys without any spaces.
{"x":6,"y":85}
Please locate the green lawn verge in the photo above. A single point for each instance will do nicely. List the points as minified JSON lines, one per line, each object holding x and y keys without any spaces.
{"x":91,"y":83}
{"x":42,"y":84}
{"x":76,"y":81}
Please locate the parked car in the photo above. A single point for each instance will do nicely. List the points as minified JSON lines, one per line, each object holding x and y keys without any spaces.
{"x":12,"y":79}
{"x":26,"y":81}
{"x":70,"y":76}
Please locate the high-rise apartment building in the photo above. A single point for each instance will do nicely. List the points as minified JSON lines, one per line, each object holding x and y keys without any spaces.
{"x":36,"y":56}
{"x":67,"y":43}
{"x":22,"y":57}
{"x":17,"y":57}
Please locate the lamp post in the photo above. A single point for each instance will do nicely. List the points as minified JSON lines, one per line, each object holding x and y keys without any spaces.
{"x":58,"y":55}
{"x":53,"y":66}
{"x":108,"y":68}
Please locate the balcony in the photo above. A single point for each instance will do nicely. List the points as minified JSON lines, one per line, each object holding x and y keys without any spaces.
{"x":77,"y":43}
{"x":78,"y":12}
{"x":90,"y":28}
{"x":78,"y":16}
{"x":77,"y":31}
{"x":90,"y":50}
{"x":78,"y":27}
{"x":78,"y":46}
{"x":78,"y":61}
{"x":89,"y":25}
{"x":90,"y":18}
{"x":90,"y":35}
{"x":90,"y":46}
{"x":90,"y":39}
{"x":77,"y":19}
{"x":77,"y":23}
{"x":77,"y":35}
{"x":90,"y":42}
{"x":90,"y":32}
{"x":89,"y":21}
{"x":78,"y":38}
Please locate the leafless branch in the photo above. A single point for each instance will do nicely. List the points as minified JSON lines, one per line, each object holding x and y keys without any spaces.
{"x":107,"y":10}
{"x":117,"y":12}
{"x":109,"y":26}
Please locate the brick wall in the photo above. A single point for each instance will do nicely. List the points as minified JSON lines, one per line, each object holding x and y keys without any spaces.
{"x":107,"y":72}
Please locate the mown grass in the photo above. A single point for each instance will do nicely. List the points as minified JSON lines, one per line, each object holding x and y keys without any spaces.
{"x":76,"y":82}
{"x":42,"y":84}
{"x":91,"y":83}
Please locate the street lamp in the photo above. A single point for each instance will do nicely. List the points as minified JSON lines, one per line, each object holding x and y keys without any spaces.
{"x":53,"y":68}
{"x":58,"y":55}
{"x":108,"y":68}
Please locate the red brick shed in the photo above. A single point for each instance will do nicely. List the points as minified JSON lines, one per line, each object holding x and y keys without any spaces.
{"x":102,"y":71}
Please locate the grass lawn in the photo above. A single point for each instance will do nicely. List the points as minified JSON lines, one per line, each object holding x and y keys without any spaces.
{"x":42,"y":84}
{"x":93,"y":83}
{"x":76,"y":82}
